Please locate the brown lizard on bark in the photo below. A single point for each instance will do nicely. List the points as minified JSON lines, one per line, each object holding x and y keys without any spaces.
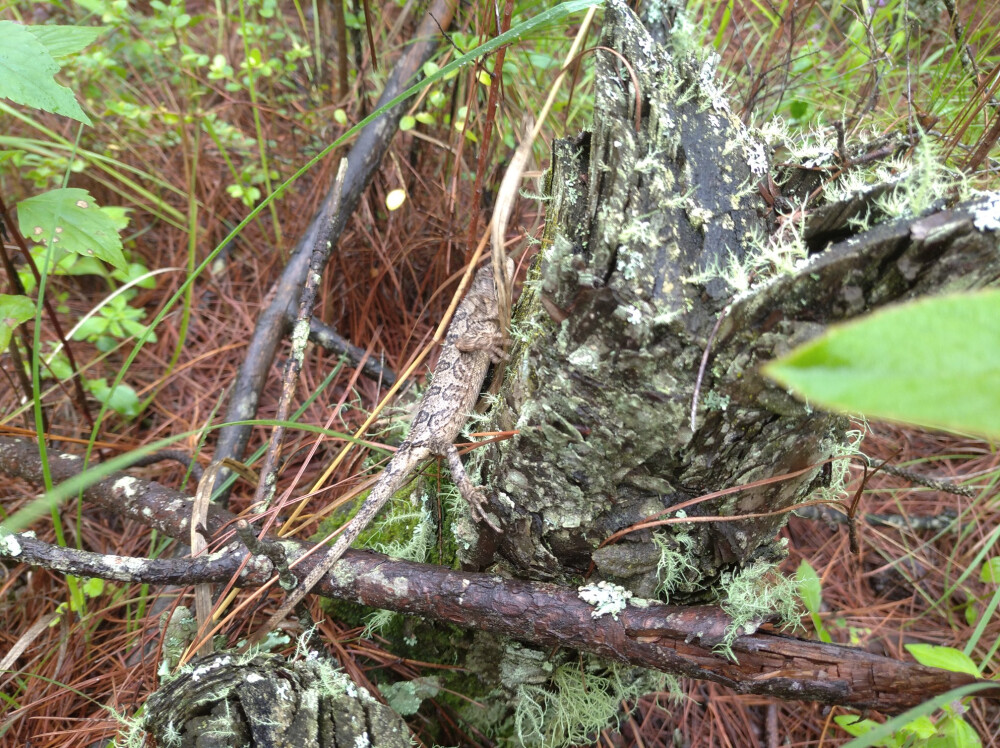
{"x":473,"y":340}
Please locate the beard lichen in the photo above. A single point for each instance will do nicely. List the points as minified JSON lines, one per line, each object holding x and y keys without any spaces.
{"x":755,"y":594}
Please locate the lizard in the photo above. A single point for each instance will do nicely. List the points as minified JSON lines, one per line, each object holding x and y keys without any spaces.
{"x":473,"y":340}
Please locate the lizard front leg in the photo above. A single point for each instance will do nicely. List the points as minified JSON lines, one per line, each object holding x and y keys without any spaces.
{"x":473,"y":494}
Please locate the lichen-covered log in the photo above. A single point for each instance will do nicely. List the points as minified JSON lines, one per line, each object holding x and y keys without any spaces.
{"x":656,"y":251}
{"x":224,"y":701}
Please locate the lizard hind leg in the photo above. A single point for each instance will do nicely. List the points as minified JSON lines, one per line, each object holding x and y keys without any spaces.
{"x":474,"y":495}
{"x":491,"y":342}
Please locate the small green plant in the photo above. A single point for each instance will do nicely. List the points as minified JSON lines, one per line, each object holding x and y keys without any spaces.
{"x":950,"y":730}
{"x":69,"y":233}
{"x":91,"y":589}
{"x":811,"y":594}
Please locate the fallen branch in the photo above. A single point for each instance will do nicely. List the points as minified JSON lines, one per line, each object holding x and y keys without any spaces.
{"x":675,"y":639}
{"x":326,"y":226}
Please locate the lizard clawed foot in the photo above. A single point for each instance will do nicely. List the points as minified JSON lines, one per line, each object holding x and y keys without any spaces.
{"x":492,"y":344}
{"x":474,"y":495}
{"x":478,"y":502}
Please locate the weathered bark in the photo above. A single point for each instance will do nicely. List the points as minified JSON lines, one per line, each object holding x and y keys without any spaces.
{"x":641,"y":227}
{"x":224,"y":702}
{"x":630,"y":292}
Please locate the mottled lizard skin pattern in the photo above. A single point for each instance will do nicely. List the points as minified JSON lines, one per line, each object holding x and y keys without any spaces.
{"x":473,"y":340}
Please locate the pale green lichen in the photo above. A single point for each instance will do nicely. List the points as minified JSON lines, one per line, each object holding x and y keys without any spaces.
{"x":753,"y":595}
{"x":406,"y":697}
{"x":675,"y":569}
{"x":840,"y":467}
{"x":922,"y":182}
{"x":606,"y":597}
{"x":578,"y":700}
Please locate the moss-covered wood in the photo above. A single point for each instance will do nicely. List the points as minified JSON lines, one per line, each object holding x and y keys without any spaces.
{"x":653,"y":219}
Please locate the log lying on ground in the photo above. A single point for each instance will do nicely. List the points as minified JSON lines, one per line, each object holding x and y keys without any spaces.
{"x":675,"y":639}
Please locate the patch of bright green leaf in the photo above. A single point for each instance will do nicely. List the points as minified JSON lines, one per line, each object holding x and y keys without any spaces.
{"x":810,"y":589}
{"x":93,"y":587}
{"x":65,"y":40}
{"x":990,"y":572}
{"x":932,"y":362}
{"x":71,"y":219}
{"x":798,"y":109}
{"x":946,"y":658}
{"x":13,"y":311}
{"x":971,"y":614}
{"x":811,"y":592}
{"x":123,"y":400}
{"x":27,"y":73}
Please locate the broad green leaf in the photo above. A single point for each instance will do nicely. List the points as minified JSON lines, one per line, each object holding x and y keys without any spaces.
{"x":93,"y":587}
{"x":947,"y":658}
{"x":27,"y":71}
{"x":810,"y":587}
{"x":13,"y":311}
{"x":72,"y":219}
{"x":65,"y":40}
{"x":123,"y":400}
{"x":922,"y":727}
{"x":954,"y":732}
{"x":990,"y":572}
{"x":853,"y":725}
{"x":933,"y":362}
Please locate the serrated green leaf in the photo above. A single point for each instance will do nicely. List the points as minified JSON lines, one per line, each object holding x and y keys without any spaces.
{"x":933,"y":362}
{"x":946,"y":658}
{"x":72,"y":219}
{"x":27,"y":71}
{"x":13,"y":311}
{"x":65,"y":40}
{"x":810,"y":587}
{"x":118,"y":215}
{"x":991,"y":571}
